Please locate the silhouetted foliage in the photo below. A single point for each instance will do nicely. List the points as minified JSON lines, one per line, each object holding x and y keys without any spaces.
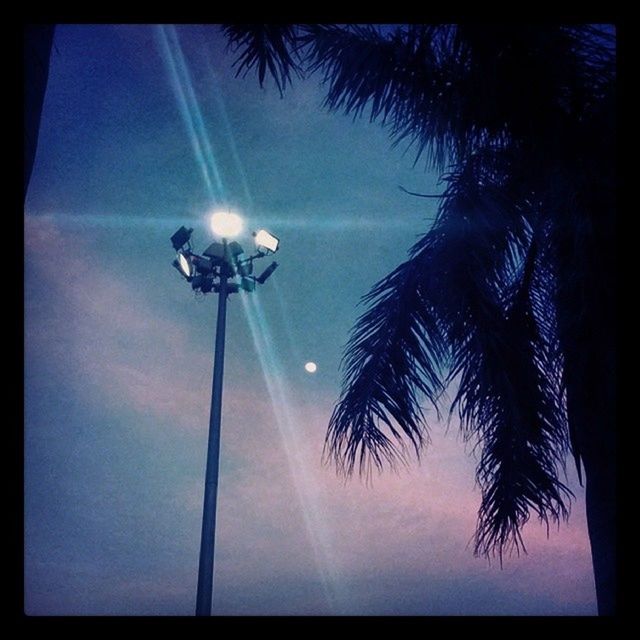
{"x":266,"y":47}
{"x":510,"y":286}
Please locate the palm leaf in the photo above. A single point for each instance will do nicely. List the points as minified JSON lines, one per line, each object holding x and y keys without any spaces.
{"x":265,"y":47}
{"x":500,"y":328}
{"x":471,"y":298}
{"x":394,"y":354}
{"x":507,"y":400}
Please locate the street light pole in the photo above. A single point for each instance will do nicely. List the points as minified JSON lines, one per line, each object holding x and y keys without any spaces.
{"x":207,"y":542}
{"x":221,"y":262}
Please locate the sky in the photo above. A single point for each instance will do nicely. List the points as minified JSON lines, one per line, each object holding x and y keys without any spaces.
{"x":146,"y":128}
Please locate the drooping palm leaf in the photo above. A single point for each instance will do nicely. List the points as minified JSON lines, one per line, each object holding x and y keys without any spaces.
{"x":508,"y":397}
{"x":394,"y":354}
{"x":473,"y":296}
{"x":265,"y":47}
{"x":508,"y":401}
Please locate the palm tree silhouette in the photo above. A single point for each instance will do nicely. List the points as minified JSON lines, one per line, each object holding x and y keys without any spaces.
{"x":509,"y":297}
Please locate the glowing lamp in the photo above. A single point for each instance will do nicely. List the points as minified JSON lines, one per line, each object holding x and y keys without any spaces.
{"x":184,"y":264}
{"x":266,"y":241}
{"x":225,"y":224}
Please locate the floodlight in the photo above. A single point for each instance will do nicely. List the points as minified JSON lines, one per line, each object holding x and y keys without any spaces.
{"x":266,"y":241}
{"x":267,"y":272}
{"x":215,"y":250}
{"x":202,"y":265}
{"x":181,"y":237}
{"x":248,"y":284}
{"x":202,"y":282}
{"x":225,"y":224}
{"x":184,"y":264}
{"x":234,"y":248}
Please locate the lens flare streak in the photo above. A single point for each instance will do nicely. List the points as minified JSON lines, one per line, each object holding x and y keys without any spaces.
{"x":272,"y":370}
{"x":224,"y":118}
{"x":288,"y":425}
{"x":190,"y":110}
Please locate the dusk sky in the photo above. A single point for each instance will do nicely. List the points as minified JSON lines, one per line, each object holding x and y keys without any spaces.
{"x":145,"y":129}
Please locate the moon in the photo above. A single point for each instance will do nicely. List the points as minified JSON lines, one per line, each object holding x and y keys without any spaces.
{"x":311,"y":367}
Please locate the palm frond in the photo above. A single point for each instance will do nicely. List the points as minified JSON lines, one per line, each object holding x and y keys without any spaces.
{"x":473,"y":298}
{"x":507,"y":400}
{"x":503,"y":355}
{"x":267,"y":47}
{"x":401,"y":79}
{"x":447,"y":90}
{"x":450,"y":90}
{"x":394,"y":354}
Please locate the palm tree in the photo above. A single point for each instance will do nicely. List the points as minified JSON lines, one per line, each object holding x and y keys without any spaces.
{"x":509,"y":297}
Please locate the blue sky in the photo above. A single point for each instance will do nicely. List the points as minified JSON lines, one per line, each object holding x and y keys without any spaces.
{"x":143,"y":130}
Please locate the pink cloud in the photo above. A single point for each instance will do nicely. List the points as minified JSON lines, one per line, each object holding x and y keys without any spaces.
{"x":419,"y":521}
{"x":416,"y":523}
{"x":113,"y":337}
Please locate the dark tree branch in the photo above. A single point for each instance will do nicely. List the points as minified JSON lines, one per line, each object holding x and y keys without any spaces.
{"x":421,"y":195}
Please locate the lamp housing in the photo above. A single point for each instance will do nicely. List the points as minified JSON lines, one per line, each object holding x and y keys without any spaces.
{"x":262,"y":278}
{"x":266,"y":242}
{"x":181,"y":237}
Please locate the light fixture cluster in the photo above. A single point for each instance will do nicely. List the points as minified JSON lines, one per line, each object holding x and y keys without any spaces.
{"x":223,"y":259}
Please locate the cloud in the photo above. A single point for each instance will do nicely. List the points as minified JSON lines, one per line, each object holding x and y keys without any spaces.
{"x":286,"y":524}
{"x":408,"y":534}
{"x":130,"y":353}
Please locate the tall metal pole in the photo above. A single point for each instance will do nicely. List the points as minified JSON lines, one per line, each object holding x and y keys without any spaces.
{"x":207,"y":542}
